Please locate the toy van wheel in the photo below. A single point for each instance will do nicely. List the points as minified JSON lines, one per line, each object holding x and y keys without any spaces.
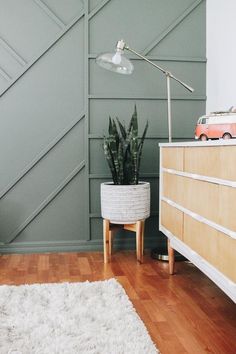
{"x":203,"y":137}
{"x":227,"y":136}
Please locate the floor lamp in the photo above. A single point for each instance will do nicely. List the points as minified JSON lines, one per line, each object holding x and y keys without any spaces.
{"x":118,"y":63}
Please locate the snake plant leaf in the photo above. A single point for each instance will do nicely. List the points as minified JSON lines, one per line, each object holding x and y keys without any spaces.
{"x":110,"y":131}
{"x":121,"y":164}
{"x":122,"y":129}
{"x":128,"y":173}
{"x":109,"y":158}
{"x":114,"y":153}
{"x":144,"y":134}
{"x":133,"y":126}
{"x":134,"y":158}
{"x":133,"y":117}
{"x":115,"y":133}
{"x":113,"y":143}
{"x":140,"y":147}
{"x":123,"y":150}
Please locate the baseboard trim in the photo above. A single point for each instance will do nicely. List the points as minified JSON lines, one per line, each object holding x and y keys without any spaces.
{"x":72,"y":246}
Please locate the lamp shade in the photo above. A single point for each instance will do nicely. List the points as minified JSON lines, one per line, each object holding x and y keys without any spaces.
{"x":116,"y":62}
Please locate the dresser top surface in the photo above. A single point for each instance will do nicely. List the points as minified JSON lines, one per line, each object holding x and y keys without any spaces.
{"x":220,"y":142}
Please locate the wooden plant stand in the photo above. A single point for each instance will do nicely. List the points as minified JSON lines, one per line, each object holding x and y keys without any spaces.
{"x":109,"y":230}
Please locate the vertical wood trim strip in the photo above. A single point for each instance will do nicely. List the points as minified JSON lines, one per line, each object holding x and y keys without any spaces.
{"x":86,"y":125}
{"x":160,"y":183}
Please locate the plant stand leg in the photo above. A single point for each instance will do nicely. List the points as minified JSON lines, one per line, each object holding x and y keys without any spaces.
{"x":111,"y":236}
{"x":106,"y":227}
{"x":139,"y":240}
{"x":142,"y":241}
{"x":171,"y":255}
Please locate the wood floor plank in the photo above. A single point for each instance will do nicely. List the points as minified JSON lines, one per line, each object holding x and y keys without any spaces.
{"x":84,"y":266}
{"x":185,"y":313}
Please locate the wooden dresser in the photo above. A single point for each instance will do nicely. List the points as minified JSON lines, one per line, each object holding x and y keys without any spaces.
{"x":198,"y":206}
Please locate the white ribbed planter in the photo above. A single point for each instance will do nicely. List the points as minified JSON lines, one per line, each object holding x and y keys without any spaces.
{"x":125,"y":204}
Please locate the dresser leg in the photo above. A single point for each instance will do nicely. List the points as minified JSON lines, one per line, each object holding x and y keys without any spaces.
{"x":171,"y":254}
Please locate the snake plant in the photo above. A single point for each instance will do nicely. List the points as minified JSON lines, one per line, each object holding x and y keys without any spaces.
{"x":123,"y":150}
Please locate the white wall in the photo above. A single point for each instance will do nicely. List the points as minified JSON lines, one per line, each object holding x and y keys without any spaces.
{"x":221,"y":54}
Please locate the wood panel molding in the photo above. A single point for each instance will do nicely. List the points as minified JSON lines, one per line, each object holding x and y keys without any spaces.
{"x":98,"y":8}
{"x":30,"y":64}
{"x":159,"y":98}
{"x":20,"y":60}
{"x":50,"y":14}
{"x":68,"y":246}
{"x":53,"y":15}
{"x":43,"y":205}
{"x":5,"y":75}
{"x":41,"y":155}
{"x":172,"y":26}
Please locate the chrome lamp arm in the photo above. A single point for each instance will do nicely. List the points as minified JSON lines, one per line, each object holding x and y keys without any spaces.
{"x":118,"y":63}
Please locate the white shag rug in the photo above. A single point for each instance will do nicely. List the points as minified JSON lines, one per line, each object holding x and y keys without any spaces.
{"x":69,"y":318}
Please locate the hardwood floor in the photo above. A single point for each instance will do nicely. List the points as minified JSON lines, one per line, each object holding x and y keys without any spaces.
{"x":184,"y":313}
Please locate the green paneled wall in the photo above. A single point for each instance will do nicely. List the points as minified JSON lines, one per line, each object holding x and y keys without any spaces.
{"x":55,"y":102}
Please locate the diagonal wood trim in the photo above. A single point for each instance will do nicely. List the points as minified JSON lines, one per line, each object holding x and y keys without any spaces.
{"x":46,"y":201}
{"x":98,"y":8}
{"x":172,"y":26}
{"x":5,"y":75}
{"x":12,"y":52}
{"x":44,"y":51}
{"x":50,"y":13}
{"x":42,"y":153}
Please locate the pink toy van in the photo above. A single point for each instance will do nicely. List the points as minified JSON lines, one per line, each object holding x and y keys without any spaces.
{"x":216,"y":125}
